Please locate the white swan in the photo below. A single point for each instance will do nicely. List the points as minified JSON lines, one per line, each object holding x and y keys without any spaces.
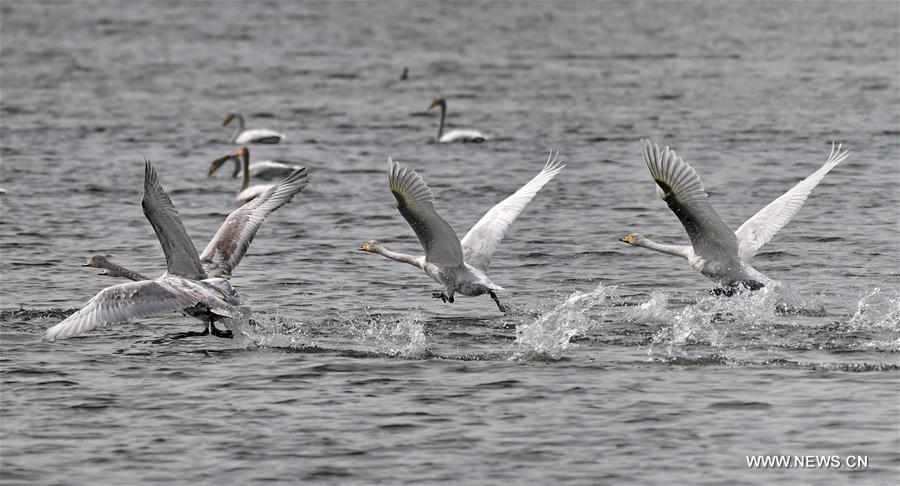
{"x":473,"y":136}
{"x":460,"y":266}
{"x":195,"y":285}
{"x":263,"y":169}
{"x":258,"y":135}
{"x":246,"y":192}
{"x":717,"y":252}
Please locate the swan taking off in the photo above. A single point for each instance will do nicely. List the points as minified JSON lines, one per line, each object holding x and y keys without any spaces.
{"x":460,"y":266}
{"x":717,"y":252}
{"x":257,"y":135}
{"x":263,"y":169}
{"x":246,"y":192}
{"x":195,"y":285}
{"x":472,"y":136}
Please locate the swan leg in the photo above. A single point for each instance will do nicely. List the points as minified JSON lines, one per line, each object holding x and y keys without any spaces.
{"x":220,"y":333}
{"x":182,"y":335}
{"x":499,"y":305}
{"x":735,"y":287}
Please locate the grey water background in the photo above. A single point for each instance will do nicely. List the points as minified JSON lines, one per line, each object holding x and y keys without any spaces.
{"x":615,"y":365}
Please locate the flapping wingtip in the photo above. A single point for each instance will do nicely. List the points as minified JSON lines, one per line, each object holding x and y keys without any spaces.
{"x":838,"y":153}
{"x":149,"y":173}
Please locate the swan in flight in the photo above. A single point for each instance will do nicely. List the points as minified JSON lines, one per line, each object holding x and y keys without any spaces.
{"x":459,"y":266}
{"x":263,"y":169}
{"x":473,"y":136}
{"x":715,"y":251}
{"x":246,"y":192}
{"x":195,"y":285}
{"x":258,"y":135}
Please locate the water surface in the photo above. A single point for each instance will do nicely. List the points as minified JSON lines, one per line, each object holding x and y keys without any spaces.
{"x":615,"y":364}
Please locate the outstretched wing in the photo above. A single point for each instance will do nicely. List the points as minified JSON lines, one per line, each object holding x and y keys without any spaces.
{"x":761,"y":228}
{"x":181,"y":256}
{"x":231,"y":241}
{"x":416,"y":205}
{"x":681,"y":188}
{"x":121,"y":303}
{"x":483,"y":239}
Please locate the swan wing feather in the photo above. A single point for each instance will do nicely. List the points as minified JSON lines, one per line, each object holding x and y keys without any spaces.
{"x":181,"y":255}
{"x":230,"y":243}
{"x":762,"y":227}
{"x":482,"y":240}
{"x":416,"y":204}
{"x":121,"y":303}
{"x":682,"y":189}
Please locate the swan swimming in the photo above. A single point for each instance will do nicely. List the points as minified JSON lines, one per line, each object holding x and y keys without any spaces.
{"x":263,"y":169}
{"x":460,"y":266}
{"x":246,"y":192}
{"x":472,"y":136}
{"x":195,"y":285}
{"x":257,"y":135}
{"x":715,"y":251}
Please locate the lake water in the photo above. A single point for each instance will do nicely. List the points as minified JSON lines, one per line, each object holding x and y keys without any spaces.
{"x":615,"y":365}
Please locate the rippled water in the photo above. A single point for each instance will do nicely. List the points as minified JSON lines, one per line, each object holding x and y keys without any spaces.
{"x":615,"y":364}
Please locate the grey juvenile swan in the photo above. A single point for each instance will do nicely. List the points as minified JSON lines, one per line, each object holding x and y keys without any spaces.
{"x":473,"y":136}
{"x":460,"y":266}
{"x":257,"y":135}
{"x":715,"y":251}
{"x":195,"y":285}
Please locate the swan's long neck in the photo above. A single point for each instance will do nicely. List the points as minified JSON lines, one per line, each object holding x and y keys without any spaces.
{"x":677,"y":250}
{"x":400,"y":257}
{"x":114,"y":270}
{"x":245,"y":166}
{"x":441,"y":123}
{"x":239,"y":129}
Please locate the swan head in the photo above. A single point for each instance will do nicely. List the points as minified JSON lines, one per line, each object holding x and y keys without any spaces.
{"x":369,"y":246}
{"x":438,"y":102}
{"x":97,"y":261}
{"x":633,"y":239}
{"x":217,"y":163}
{"x":228,"y":118}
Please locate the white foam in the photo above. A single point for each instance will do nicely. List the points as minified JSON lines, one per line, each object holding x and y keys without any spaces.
{"x":551,"y":333}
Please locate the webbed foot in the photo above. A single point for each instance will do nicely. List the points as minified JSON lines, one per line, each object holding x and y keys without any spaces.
{"x":499,"y":305}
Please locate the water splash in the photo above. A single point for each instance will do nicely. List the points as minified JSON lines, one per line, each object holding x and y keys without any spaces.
{"x":879,"y":309}
{"x":717,"y":321}
{"x":551,"y":333}
{"x":655,"y":310}
{"x":273,"y":330}
{"x":400,"y":338}
{"x":877,"y":320}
